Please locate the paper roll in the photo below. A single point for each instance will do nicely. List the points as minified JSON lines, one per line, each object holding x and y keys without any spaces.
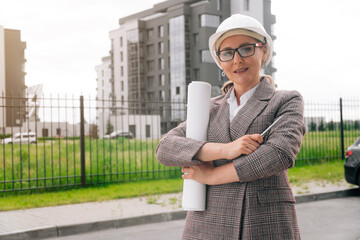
{"x":198,"y":111}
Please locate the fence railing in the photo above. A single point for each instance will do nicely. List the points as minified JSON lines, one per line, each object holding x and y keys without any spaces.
{"x":90,"y":141}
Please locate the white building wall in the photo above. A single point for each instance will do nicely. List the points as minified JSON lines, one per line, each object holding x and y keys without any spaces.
{"x":67,"y":129}
{"x":120,"y":66}
{"x":2,"y":75}
{"x":140,"y":122}
{"x":256,"y":8}
{"x":104,"y":89}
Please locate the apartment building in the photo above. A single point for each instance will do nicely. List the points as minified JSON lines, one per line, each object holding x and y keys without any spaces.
{"x":156,"y":53}
{"x":104,"y":91}
{"x":12,"y":77}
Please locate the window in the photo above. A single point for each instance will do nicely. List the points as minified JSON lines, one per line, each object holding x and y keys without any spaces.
{"x":161,"y":64}
{"x":150,"y":80}
{"x":122,"y":85}
{"x":207,"y":20}
{"x":122,"y":100}
{"x":196,"y":39}
{"x":161,"y":31}
{"x":177,"y":90}
{"x":121,"y":56}
{"x":147,"y":131}
{"x":197,"y":74}
{"x":162,"y":80}
{"x":132,"y":129}
{"x":206,"y":56}
{"x":58,"y":131}
{"x":121,"y":41}
{"x":132,"y":36}
{"x":149,"y":34}
{"x":150,"y":65}
{"x":45,"y":132}
{"x":218,"y":5}
{"x":122,"y":71}
{"x":150,"y":95}
{"x":246,"y":5}
{"x":161,"y":95}
{"x":150,"y":50}
{"x":161,"y":47}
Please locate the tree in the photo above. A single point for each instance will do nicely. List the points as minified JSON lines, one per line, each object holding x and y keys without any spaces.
{"x":331,"y":125}
{"x":312,"y":126}
{"x":357,"y":125}
{"x":109,"y":127}
{"x":321,"y":126}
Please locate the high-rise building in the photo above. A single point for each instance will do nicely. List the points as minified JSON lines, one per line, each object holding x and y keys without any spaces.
{"x":12,"y":77}
{"x":156,"y":53}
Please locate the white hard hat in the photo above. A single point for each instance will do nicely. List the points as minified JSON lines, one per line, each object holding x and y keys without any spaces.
{"x":239,"y":21}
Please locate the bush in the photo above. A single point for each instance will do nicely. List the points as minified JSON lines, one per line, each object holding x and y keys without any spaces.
{"x":2,"y":136}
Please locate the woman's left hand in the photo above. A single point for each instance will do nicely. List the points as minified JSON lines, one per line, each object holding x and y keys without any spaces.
{"x":201,"y":173}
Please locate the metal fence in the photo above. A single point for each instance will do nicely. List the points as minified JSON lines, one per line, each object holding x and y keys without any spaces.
{"x":92,"y":141}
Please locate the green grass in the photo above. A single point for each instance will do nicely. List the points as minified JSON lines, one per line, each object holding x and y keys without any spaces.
{"x":320,"y":147}
{"x":33,"y":199}
{"x":56,"y":162}
{"x":331,"y":172}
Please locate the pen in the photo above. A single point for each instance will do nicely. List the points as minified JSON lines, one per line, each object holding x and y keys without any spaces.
{"x":263,"y":133}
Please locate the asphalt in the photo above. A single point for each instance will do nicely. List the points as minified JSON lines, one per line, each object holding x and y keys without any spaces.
{"x":49,"y":222}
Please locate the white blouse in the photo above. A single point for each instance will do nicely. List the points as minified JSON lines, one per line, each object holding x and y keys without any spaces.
{"x":233,"y":106}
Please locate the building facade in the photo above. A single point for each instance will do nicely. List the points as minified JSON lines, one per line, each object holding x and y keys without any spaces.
{"x":12,"y":77}
{"x":156,"y":53}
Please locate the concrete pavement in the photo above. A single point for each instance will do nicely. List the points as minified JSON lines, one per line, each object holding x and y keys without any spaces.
{"x":67,"y":220}
{"x":331,"y":219}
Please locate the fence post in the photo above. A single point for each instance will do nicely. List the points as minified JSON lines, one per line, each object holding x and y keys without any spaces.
{"x":342,"y":130}
{"x":82,"y":142}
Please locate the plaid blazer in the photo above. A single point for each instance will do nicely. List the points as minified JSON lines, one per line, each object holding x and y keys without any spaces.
{"x":261,"y":205}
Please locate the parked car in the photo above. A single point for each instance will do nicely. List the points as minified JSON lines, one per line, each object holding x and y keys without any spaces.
{"x":27,"y":137}
{"x":118,"y":134}
{"x":352,"y":163}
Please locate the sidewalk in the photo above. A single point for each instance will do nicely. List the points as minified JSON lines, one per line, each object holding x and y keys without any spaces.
{"x":66,"y":220}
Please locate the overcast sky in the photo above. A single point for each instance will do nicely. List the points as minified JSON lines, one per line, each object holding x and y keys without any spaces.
{"x":317,"y":50}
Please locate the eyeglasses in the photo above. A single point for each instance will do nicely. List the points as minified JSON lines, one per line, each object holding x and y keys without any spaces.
{"x":244,"y":51}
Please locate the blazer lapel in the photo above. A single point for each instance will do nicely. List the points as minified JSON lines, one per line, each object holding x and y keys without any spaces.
{"x":219,"y":124}
{"x":253,"y":107}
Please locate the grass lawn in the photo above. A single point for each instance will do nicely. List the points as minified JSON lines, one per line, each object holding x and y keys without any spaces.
{"x":331,"y":171}
{"x":56,"y":162}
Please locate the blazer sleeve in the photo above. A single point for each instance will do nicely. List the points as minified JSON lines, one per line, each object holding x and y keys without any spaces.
{"x":282,"y":144}
{"x":174,"y":149}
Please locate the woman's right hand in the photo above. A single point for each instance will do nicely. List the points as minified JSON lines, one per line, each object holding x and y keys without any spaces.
{"x":243,"y":145}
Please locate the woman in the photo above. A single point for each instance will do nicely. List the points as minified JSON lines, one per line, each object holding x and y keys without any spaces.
{"x":248,"y":192}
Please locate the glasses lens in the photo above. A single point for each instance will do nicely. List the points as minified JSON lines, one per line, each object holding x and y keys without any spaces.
{"x":226,"y":55}
{"x":247,"y":51}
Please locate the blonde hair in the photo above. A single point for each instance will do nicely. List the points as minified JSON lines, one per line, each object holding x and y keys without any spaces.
{"x":225,"y":88}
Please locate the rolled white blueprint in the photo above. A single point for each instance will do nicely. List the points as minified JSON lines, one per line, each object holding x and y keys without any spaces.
{"x":198,"y":111}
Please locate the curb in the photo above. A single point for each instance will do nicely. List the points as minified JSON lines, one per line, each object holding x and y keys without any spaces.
{"x":66,"y":230}
{"x":328,"y":195}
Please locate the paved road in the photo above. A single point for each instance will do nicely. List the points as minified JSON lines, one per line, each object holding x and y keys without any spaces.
{"x":335,"y":219}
